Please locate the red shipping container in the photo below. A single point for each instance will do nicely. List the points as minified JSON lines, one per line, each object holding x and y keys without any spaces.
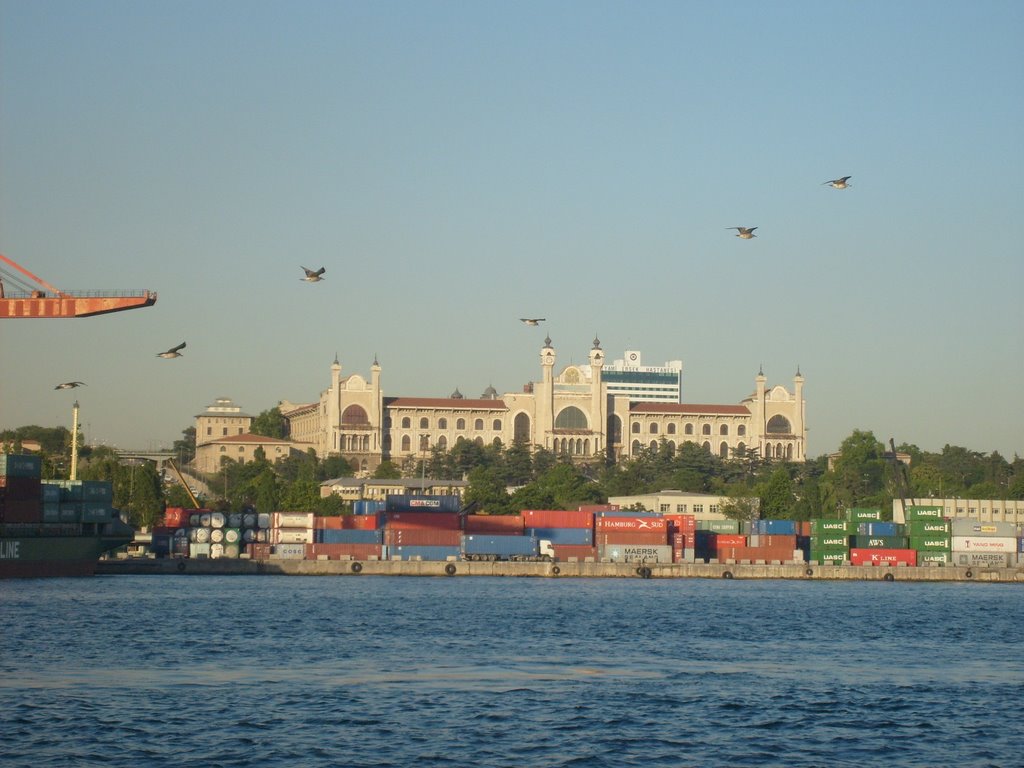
{"x":723,"y":540}
{"x":346,"y":523}
{"x":322,"y":523}
{"x":682,"y":523}
{"x":258,"y":551}
{"x":609,"y":538}
{"x":883,"y":557}
{"x":565,"y":551}
{"x":176,"y":517}
{"x":768,"y":554}
{"x":632,"y":524}
{"x":339,"y":551}
{"x":429,"y":520}
{"x":557,"y":518}
{"x":422,"y":537}
{"x":501,"y":524}
{"x":683,"y":540}
{"x":778,"y":540}
{"x":21,"y":511}
{"x":599,"y":508}
{"x":21,"y":488}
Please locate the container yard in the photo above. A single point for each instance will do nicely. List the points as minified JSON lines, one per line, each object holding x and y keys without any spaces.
{"x":429,"y":535}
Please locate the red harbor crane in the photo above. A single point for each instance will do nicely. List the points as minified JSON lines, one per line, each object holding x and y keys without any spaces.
{"x":39,"y":299}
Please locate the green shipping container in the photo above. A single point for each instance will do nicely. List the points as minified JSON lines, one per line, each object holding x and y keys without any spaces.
{"x":833,"y":527}
{"x":830,"y":555}
{"x":96,"y":512}
{"x":863,"y":514}
{"x":919,"y":528}
{"x":940,"y":543}
{"x":924,"y":513}
{"x":825,"y":541}
{"x":879,"y":542}
{"x":719,"y":526}
{"x":934,"y":557}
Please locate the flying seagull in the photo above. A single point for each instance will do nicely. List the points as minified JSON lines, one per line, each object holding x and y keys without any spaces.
{"x":173,"y":351}
{"x":313,"y":276}
{"x":745,"y":232}
{"x":839,"y":183}
{"x":532,"y":320}
{"x":70,"y":385}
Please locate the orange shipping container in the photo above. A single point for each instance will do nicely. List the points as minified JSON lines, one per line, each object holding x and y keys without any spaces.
{"x":609,"y":538}
{"x":557,"y":518}
{"x":494,"y":524}
{"x":565,"y":551}
{"x":339,"y":551}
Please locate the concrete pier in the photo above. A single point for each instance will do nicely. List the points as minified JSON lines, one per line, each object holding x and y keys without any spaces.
{"x":555,"y":570}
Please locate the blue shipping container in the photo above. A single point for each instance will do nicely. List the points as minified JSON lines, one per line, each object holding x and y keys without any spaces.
{"x":418,"y":503}
{"x":423,"y":552}
{"x":880,"y":529}
{"x":368,"y":506}
{"x":503,"y":546}
{"x":774,"y":527}
{"x":334,"y":536}
{"x":577,"y":537}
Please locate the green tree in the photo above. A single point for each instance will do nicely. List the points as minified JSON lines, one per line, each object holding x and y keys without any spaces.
{"x":487,"y":489}
{"x":270,"y":423}
{"x":777,"y":500}
{"x":387,"y":470}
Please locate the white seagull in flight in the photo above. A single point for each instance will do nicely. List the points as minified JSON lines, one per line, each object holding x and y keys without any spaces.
{"x":842,"y":183}
{"x":313,"y":276}
{"x":70,"y":385}
{"x":745,"y":232}
{"x":172,"y":352}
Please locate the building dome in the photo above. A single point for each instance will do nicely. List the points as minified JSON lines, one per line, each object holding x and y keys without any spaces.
{"x":456,"y":395}
{"x":489,"y":394}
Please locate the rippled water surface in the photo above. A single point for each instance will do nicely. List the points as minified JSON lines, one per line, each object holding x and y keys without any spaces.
{"x":382,"y":671}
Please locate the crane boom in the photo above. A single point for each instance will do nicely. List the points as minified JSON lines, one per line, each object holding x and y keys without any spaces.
{"x":50,"y":302}
{"x":184,"y":484}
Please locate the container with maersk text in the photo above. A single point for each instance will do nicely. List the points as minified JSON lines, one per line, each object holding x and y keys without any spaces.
{"x":634,"y":553}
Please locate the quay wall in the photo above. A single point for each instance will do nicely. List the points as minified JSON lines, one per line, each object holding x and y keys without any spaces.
{"x":560,"y":570}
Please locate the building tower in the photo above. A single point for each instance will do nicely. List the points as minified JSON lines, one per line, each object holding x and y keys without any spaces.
{"x":546,"y":397}
{"x":598,"y":401}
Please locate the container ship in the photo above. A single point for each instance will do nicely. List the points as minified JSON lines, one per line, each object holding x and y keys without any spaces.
{"x":54,"y":527}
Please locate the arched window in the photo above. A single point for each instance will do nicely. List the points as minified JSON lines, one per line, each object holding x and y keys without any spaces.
{"x":406,"y":444}
{"x":496,"y":442}
{"x":478,"y":425}
{"x":571,"y":418}
{"x":789,"y":452}
{"x":706,"y":429}
{"x":635,"y":448}
{"x":778,"y":425}
{"x":671,"y":428}
{"x":442,"y":442}
{"x":424,"y":442}
{"x":654,"y":427}
{"x":688,"y":429}
{"x":740,"y":448}
{"x":496,"y":426}
{"x":354,"y":416}
{"x":406,"y":422}
{"x":521,"y":427}
{"x":741,"y":430}
{"x":460,"y":424}
{"x":724,"y":429}
{"x":653,"y":446}
{"x":706,"y":446}
{"x":723,"y":450}
{"x":442,"y":423}
{"x":479,"y":441}
{"x":424,"y":423}
{"x":636,"y":427}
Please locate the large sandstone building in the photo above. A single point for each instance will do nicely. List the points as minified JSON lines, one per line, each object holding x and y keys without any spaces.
{"x":570,"y":413}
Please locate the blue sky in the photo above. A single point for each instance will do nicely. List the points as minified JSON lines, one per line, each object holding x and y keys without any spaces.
{"x":456,"y":166}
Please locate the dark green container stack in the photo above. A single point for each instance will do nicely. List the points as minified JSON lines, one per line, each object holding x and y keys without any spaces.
{"x":932,"y":538}
{"x":915,"y":513}
{"x":719,"y":526}
{"x":880,"y":542}
{"x":863,"y":514}
{"x":830,"y":540}
{"x":77,"y":501}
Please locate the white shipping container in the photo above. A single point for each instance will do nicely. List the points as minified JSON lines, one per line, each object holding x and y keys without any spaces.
{"x":291,"y":520}
{"x":1001,"y":544}
{"x":288,"y":552}
{"x":216,"y":551}
{"x":198,"y":550}
{"x":291,"y":536}
{"x":636,"y":553}
{"x":217,"y":519}
{"x":982,"y":559}
{"x":975,"y":528}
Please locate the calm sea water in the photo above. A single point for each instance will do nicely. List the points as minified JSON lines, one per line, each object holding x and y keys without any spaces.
{"x":381,"y":671}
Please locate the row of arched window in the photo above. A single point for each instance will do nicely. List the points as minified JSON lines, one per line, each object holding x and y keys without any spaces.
{"x":671,"y":427}
{"x":723,"y":447}
{"x":442,"y":423}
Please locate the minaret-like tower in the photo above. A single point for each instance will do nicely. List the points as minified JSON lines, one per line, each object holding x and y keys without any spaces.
{"x":546,"y":396}
{"x":598,"y":401}
{"x":799,"y":429}
{"x":334,"y":407}
{"x":759,"y":411}
{"x":377,"y":414}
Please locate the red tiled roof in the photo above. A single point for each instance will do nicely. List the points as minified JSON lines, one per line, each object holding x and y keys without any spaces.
{"x":249,"y":438}
{"x":445,"y":402}
{"x":689,"y":409}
